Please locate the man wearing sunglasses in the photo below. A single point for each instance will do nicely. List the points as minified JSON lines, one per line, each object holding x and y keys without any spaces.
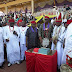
{"x":45,"y":31}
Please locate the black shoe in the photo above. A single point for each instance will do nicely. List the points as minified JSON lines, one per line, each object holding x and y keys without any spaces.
{"x":2,"y":67}
{"x":21,"y":61}
{"x":58,"y":70}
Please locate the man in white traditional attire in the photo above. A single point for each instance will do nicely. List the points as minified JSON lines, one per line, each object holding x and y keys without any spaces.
{"x":68,"y":41}
{"x":1,"y":48}
{"x":60,"y":44}
{"x":11,"y":35}
{"x":57,"y":31}
{"x":23,"y":47}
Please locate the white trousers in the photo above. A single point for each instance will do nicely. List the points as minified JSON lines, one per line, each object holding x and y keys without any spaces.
{"x":23,"y":49}
{"x":53,"y":46}
{"x":1,"y":55}
{"x":64,"y":57}
{"x":59,"y":53}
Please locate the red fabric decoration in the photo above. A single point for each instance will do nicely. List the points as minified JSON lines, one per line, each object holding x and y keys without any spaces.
{"x":69,"y":21}
{"x":47,"y":17}
{"x":11,"y":20}
{"x":33,"y":22}
{"x":36,"y":49}
{"x":19,"y":22}
{"x":46,"y":63}
{"x":30,"y":61}
{"x":41,"y":63}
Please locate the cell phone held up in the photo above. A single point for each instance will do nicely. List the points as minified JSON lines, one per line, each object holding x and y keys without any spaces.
{"x":15,"y":33}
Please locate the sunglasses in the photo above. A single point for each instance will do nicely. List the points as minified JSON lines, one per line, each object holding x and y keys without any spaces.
{"x":46,"y":19}
{"x":64,"y":22}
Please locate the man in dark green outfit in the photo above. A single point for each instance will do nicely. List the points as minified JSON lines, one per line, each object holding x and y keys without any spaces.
{"x":45,"y":33}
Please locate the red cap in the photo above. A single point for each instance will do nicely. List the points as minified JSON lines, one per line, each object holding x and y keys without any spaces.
{"x":47,"y":17}
{"x":33,"y":22}
{"x":19,"y":22}
{"x":11,"y":20}
{"x":69,"y":21}
{"x":59,"y":18}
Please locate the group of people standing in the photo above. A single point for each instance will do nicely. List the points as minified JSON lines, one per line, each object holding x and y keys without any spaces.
{"x":14,"y":38}
{"x":20,"y":38}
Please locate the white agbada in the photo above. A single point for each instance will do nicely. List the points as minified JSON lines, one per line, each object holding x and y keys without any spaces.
{"x":13,"y":49}
{"x":60,"y":48}
{"x":60,"y":31}
{"x":54,"y":30}
{"x":57,"y":30}
{"x":68,"y":43}
{"x":4,"y":28}
{"x":23,"y":41}
{"x":1,"y":46}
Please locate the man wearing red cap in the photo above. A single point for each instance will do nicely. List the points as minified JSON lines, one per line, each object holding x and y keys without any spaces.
{"x":11,"y":36}
{"x":60,"y":44}
{"x":32,"y":36}
{"x":11,"y":19}
{"x":45,"y":31}
{"x":55,"y":35}
{"x":68,"y":41}
{"x":20,"y":20}
{"x":23,"y":28}
{"x":57,"y":32}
